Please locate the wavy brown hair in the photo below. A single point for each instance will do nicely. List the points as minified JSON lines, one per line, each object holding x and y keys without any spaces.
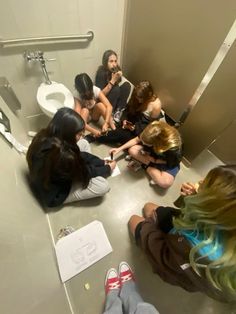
{"x":142,"y":95}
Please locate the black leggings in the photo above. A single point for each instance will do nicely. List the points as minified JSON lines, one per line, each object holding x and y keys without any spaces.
{"x":118,"y":136}
{"x":118,"y":96}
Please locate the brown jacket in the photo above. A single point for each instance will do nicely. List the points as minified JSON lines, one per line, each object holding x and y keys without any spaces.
{"x":169,"y":256}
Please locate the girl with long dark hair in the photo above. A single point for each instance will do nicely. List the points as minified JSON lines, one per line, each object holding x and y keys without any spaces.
{"x":143,"y":108}
{"x":91,"y":104}
{"x":59,"y":171}
{"x":108,"y":78}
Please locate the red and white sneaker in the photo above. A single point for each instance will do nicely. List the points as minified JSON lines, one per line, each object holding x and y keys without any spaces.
{"x":112,"y":281}
{"x":125,"y":273}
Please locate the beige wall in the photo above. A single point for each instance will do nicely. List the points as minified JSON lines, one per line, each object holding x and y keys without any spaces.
{"x":28,"y":272}
{"x":47,"y":18}
{"x":172,"y":44}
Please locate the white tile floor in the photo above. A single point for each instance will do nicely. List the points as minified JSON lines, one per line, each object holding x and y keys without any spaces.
{"x":129,"y":192}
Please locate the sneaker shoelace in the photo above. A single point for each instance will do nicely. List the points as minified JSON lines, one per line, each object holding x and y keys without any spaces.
{"x":126,"y":276}
{"x":112,"y":283}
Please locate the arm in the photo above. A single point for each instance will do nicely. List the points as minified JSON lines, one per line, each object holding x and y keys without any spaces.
{"x":156,"y":109}
{"x":77,"y":107}
{"x":84,"y":112}
{"x":106,"y":90}
{"x":92,"y":130}
{"x":127,"y":145}
{"x":102,"y":82}
{"x":97,"y":166}
{"x":115,"y":77}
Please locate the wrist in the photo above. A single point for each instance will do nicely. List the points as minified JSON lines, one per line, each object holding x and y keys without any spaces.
{"x":111,"y":83}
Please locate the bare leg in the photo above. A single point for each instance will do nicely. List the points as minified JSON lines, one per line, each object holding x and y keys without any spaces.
{"x":98,"y":111}
{"x":135,"y":152}
{"x":84,"y":112}
{"x":133,"y":222}
{"x":149,"y":210}
{"x":161,"y":178}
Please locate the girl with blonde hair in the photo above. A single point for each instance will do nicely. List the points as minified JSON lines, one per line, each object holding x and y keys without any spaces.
{"x":194,"y":247}
{"x":159,"y":150}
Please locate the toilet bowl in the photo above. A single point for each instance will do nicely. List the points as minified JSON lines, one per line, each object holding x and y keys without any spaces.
{"x":53,"y":97}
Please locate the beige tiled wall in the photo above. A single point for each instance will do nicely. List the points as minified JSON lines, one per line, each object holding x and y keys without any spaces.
{"x":48,"y":18}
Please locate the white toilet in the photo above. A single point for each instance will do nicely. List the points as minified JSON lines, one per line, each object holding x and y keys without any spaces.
{"x":53,"y":97}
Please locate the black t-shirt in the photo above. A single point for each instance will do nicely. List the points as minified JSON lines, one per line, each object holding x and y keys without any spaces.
{"x":171,"y":156}
{"x":103,"y":76}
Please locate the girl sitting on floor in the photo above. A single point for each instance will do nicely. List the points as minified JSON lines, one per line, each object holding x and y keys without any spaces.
{"x":159,"y":151}
{"x":91,"y":104}
{"x":59,"y":172}
{"x":143,"y":107}
{"x":108,"y":78}
{"x":194,"y":247}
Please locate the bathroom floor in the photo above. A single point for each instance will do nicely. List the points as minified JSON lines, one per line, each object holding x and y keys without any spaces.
{"x":129,"y":192}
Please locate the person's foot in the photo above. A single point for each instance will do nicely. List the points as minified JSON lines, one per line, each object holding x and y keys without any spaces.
{"x":128,"y":157}
{"x":152,"y":183}
{"x":112,"y":125}
{"x":134,"y":165}
{"x":112,"y":281}
{"x":117,"y":115}
{"x":125,"y":273}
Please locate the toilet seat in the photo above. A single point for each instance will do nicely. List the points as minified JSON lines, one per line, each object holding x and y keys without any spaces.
{"x":53,"y":97}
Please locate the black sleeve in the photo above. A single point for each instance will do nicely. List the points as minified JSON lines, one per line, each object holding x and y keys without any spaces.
{"x":101,"y":78}
{"x":92,"y":159}
{"x":165,"y":216}
{"x":163,"y":222}
{"x":96,"y":166}
{"x":173,"y":157}
{"x":141,"y":124}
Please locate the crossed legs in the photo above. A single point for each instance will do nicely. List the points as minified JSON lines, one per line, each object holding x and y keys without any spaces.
{"x":161,"y":178}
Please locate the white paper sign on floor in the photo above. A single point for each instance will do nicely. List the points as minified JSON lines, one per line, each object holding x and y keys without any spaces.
{"x":82,"y":248}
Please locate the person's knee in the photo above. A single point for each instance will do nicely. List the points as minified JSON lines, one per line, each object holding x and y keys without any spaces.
{"x":103,"y":186}
{"x":84,"y":145}
{"x":147,"y":206}
{"x":131,"y":220}
{"x":126,"y":87}
{"x":132,"y":151}
{"x":164,"y":182}
{"x":148,"y":209}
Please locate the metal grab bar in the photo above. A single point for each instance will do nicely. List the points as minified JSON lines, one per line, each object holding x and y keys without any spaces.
{"x":45,"y":40}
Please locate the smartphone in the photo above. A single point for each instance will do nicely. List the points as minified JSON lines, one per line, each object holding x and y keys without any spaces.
{"x":115,"y":69}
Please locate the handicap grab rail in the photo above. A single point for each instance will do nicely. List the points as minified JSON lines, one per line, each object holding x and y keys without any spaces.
{"x":46,"y":40}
